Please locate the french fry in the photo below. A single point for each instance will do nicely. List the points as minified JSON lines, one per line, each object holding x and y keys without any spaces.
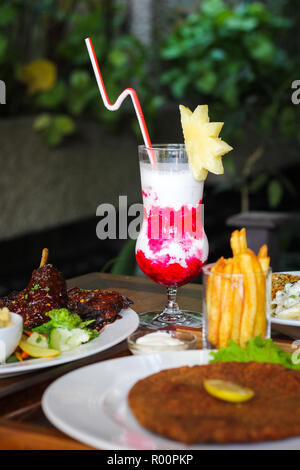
{"x":250,"y":297}
{"x":238,"y":302}
{"x":260,"y":319}
{"x":265,"y":264}
{"x":243,"y":241}
{"x":209,"y":289}
{"x":226,"y":305}
{"x":264,"y":259}
{"x":263,"y":252}
{"x":213,"y":303}
{"x":235,"y":242}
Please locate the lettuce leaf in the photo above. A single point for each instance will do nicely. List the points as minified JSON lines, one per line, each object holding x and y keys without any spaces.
{"x":62,"y":318}
{"x":258,"y":350}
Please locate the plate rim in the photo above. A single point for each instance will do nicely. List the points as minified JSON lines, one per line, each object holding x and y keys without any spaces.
{"x":60,"y":424}
{"x":99,"y":442}
{"x":10,"y":371}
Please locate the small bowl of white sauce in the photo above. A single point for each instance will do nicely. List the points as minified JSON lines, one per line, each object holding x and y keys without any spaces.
{"x":11,"y":327}
{"x":150,"y":342}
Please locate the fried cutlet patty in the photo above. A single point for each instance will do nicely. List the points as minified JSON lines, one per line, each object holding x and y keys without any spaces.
{"x":174,"y":403}
{"x":279,"y":280}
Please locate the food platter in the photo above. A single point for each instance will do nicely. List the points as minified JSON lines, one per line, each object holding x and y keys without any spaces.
{"x":98,"y":413}
{"x":287,"y":327}
{"x":111,"y":335}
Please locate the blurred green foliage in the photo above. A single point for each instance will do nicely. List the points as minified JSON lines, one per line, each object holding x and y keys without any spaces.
{"x":231,"y":56}
{"x":241,"y":60}
{"x":57,"y":30}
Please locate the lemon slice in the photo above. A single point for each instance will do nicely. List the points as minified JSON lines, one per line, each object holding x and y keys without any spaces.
{"x":202,"y":142}
{"x":227,"y":391}
{"x":37,"y":351}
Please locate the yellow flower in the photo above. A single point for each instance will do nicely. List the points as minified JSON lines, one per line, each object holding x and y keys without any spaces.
{"x":38,"y":75}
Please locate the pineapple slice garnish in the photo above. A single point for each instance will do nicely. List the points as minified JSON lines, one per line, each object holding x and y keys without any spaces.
{"x":204,"y":148}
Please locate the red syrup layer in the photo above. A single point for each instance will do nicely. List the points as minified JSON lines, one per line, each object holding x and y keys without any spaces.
{"x":169,"y":274}
{"x":165,"y":223}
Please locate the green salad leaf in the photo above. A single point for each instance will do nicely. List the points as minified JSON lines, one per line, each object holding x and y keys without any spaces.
{"x":257,"y":349}
{"x":62,"y":318}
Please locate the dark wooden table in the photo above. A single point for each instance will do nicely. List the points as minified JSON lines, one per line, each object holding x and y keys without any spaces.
{"x":22,"y":422}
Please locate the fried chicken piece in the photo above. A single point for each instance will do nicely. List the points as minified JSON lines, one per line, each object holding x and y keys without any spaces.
{"x":46,"y":290}
{"x":103,"y":306}
{"x":175,"y":404}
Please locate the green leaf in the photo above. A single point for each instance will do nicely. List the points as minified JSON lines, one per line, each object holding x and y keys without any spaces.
{"x":118,"y":58}
{"x":207,"y":82}
{"x":42,"y":122}
{"x":260,"y":47}
{"x":7,"y":15}
{"x":54,"y":128}
{"x":288,"y":121}
{"x":258,"y":350}
{"x":3,"y":46}
{"x":80,"y":79}
{"x":154,"y":104}
{"x":125,"y":262}
{"x":229,"y":165}
{"x":235,"y":23}
{"x":259,"y":11}
{"x":61,"y":318}
{"x":268,"y":116}
{"x":212,"y":8}
{"x":275,"y":193}
{"x":218,"y":54}
{"x":258,"y":182}
{"x":65,"y":124}
{"x":179,"y":86}
{"x":53,"y":98}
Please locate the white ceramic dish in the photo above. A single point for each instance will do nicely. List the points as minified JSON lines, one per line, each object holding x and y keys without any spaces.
{"x":187,"y":341}
{"x":112,"y":334}
{"x":10,"y":336}
{"x":90,"y":404}
{"x":287,"y":327}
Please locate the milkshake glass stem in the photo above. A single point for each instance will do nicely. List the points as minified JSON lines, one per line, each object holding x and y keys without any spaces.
{"x":171,"y":313}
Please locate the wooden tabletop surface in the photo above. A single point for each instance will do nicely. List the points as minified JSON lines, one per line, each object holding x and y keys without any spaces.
{"x":22,"y":422}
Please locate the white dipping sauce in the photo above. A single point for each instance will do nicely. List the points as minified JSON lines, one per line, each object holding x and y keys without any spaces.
{"x":158,"y":339}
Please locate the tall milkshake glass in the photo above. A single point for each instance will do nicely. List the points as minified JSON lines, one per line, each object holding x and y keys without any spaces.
{"x":172,"y":246}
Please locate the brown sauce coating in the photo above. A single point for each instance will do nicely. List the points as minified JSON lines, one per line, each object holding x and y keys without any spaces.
{"x":46,"y":290}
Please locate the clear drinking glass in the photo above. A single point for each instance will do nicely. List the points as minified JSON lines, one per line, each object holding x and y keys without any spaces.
{"x":235,"y":306}
{"x":172,"y":246}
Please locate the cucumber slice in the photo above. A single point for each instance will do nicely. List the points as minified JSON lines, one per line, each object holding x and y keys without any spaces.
{"x":37,"y":340}
{"x":78,"y":337}
{"x":58,"y":339}
{"x":64,"y":340}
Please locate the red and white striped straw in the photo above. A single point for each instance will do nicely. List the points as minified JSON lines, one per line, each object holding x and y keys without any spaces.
{"x":113,"y":107}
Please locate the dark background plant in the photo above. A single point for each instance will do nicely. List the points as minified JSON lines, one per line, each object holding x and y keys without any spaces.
{"x":240,"y":57}
{"x":57,"y":29}
{"x":241,"y":60}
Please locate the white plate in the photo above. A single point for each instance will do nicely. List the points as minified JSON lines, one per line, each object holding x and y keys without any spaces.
{"x":287,"y":327}
{"x":90,"y":404}
{"x":112,"y":334}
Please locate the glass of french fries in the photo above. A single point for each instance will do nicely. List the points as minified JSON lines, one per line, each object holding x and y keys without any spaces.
{"x":237,"y":295}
